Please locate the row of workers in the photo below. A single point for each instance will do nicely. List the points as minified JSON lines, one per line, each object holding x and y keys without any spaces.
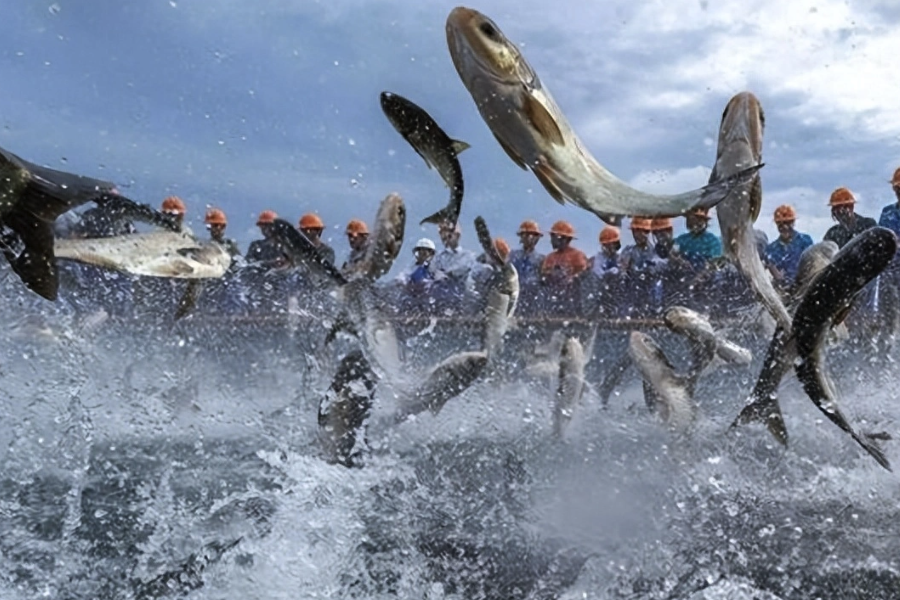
{"x":690,"y":251}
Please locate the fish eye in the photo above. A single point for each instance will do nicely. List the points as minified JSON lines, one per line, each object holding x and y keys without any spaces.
{"x":488,"y":29}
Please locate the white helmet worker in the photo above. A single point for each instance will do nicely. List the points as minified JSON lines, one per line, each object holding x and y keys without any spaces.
{"x":424,"y":243}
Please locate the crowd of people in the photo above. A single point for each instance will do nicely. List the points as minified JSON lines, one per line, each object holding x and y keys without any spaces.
{"x":638,"y":279}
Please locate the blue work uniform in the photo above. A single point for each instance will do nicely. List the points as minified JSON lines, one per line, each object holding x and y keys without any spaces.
{"x":786,"y":256}
{"x":698,"y":249}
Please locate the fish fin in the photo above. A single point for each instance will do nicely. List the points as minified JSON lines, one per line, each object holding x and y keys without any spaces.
{"x":872,"y":446}
{"x":881,"y":436}
{"x":545,"y":175}
{"x":768,"y":411}
{"x":542,"y":121}
{"x":755,"y":199}
{"x":189,"y":298}
{"x":441,"y":216}
{"x":841,"y":315}
{"x":512,"y":154}
{"x":36,"y":264}
{"x":651,"y":398}
{"x":485,"y":239}
{"x":458,"y":146}
{"x":713,"y":193}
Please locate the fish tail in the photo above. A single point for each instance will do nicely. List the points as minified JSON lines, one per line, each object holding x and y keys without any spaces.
{"x":870,"y":444}
{"x":764,"y":410}
{"x":715,"y":192}
{"x":441,"y":216}
{"x":36,"y":265}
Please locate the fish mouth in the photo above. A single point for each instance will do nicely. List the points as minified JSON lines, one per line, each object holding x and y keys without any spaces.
{"x":467,"y":51}
{"x":742,"y":121}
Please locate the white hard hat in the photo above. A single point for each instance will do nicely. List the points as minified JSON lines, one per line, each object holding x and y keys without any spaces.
{"x":424,"y":243}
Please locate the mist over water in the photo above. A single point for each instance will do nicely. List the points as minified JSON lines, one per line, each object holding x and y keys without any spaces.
{"x":157,"y":460}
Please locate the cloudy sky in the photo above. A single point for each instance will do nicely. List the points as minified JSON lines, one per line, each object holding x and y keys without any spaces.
{"x":274,"y":103}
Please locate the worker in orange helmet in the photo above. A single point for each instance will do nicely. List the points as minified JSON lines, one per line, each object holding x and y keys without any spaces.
{"x":663,"y":236}
{"x":890,"y":214}
{"x":173,"y":205}
{"x":849,"y":223}
{"x":267,"y":251}
{"x":312,"y":227}
{"x":606,"y":262}
{"x":640,"y":256}
{"x":565,"y":263}
{"x":216,"y":222}
{"x":782,"y":256}
{"x":527,"y":260}
{"x":358,"y":238}
{"x":698,"y":245}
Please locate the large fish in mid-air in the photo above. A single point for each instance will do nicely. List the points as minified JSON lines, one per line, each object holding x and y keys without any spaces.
{"x":570,"y":388}
{"x":501,"y":294}
{"x":33,"y":197}
{"x":533,"y":131}
{"x":445,"y":381}
{"x":826,"y":302}
{"x":154,"y":254}
{"x":740,"y":147}
{"x":437,"y":148}
{"x":671,"y":394}
{"x":763,"y":405}
{"x":345,"y":408}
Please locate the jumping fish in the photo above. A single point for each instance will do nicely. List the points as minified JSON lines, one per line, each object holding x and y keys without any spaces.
{"x":434,"y":146}
{"x":671,"y":393}
{"x":763,"y":405}
{"x":32,"y":198}
{"x":502,"y":293}
{"x":153,"y":254}
{"x":740,"y":147}
{"x":571,"y":384}
{"x":387,"y":237}
{"x":535,"y":134}
{"x":345,"y":409}
{"x":826,"y":302}
{"x":708,"y":343}
{"x":303,"y":251}
{"x":445,"y":381}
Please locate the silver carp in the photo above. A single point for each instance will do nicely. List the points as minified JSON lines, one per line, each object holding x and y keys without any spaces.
{"x":345,"y":409}
{"x":671,"y":393}
{"x":437,"y":149}
{"x":570,"y":386}
{"x":740,"y":147}
{"x":535,"y":134}
{"x":154,"y":254}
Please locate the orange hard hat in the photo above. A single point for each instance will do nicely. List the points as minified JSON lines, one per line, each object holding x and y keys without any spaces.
{"x":215,"y":216}
{"x":785,"y":214}
{"x":266,"y":216}
{"x":311,"y":221}
{"x":609,"y":235}
{"x":502,"y":248}
{"x":357,"y":227}
{"x":529,"y":227}
{"x":642,"y":223}
{"x":563,"y":228}
{"x":841,"y":196}
{"x":661,"y":223}
{"x":173,"y":205}
{"x":895,"y":180}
